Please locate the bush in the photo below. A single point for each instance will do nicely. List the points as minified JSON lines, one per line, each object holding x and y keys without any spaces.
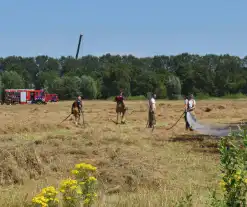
{"x":233,"y":160}
{"x":202,"y":96}
{"x":234,"y":96}
{"x":131,"y":98}
{"x":233,"y":167}
{"x":80,"y":191}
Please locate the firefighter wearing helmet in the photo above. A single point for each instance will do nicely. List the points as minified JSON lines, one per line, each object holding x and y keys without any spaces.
{"x":120,"y":107}
{"x":76,"y":109}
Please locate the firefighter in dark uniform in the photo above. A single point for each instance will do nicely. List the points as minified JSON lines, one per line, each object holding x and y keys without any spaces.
{"x":76,"y":109}
{"x":120,"y":107}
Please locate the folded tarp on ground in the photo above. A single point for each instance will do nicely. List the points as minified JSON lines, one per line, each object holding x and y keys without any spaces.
{"x":209,"y":129}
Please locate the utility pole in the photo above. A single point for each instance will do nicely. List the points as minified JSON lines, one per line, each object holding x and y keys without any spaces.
{"x":78,"y":47}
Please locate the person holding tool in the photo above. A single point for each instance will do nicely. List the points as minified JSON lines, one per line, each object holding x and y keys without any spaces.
{"x":76,"y":109}
{"x":152,"y":110}
{"x":190,"y":105}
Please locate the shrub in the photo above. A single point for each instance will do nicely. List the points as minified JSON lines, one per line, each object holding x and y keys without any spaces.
{"x":233,"y":167}
{"x":202,"y":96}
{"x":234,"y":96}
{"x":75,"y":192}
{"x":130,"y":98}
{"x":136,"y":98}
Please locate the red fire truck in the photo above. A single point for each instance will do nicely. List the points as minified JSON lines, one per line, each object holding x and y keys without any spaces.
{"x":25,"y":96}
{"x":51,"y":97}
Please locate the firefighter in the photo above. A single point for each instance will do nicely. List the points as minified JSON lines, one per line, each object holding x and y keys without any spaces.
{"x":191,"y":104}
{"x":152,"y":110}
{"x":76,"y":109}
{"x":187,"y":125}
{"x":120,"y":107}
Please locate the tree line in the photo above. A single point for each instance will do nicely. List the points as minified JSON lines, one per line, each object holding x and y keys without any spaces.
{"x":103,"y":77}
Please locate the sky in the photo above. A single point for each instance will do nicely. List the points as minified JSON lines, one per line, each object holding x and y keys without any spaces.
{"x":137,"y":27}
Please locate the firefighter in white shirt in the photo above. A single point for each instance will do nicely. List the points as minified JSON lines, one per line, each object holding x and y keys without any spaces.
{"x":152,"y":109}
{"x":191,"y":105}
{"x":187,"y":125}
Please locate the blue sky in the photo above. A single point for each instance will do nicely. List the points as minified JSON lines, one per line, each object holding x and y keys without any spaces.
{"x":141,"y":28}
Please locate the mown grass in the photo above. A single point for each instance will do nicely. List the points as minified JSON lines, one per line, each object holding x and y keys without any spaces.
{"x":135,"y":167}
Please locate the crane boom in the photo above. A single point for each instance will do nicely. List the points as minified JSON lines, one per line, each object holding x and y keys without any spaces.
{"x":78,"y":47}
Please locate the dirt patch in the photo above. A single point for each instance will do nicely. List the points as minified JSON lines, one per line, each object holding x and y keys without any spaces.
{"x":221,"y":107}
{"x":199,"y":143}
{"x":207,"y":109}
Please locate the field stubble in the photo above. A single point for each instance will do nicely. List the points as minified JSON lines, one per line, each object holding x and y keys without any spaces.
{"x":135,"y":167}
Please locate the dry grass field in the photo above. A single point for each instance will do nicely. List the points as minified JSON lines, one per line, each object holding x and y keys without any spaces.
{"x":135,"y":167}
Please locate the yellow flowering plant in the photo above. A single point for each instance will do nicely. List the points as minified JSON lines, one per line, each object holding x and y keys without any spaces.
{"x":75,"y":192}
{"x":87,"y":182}
{"x":47,"y":198}
{"x":69,"y":189}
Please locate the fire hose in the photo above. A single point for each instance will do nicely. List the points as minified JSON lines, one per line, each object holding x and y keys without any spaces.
{"x":176,"y":122}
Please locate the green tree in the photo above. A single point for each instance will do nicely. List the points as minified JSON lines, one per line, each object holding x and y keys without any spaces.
{"x":67,"y":87}
{"x":88,"y":87}
{"x":11,"y":79}
{"x":173,"y":87}
{"x":211,"y":74}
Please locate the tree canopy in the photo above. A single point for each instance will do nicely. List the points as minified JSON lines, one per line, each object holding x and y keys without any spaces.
{"x":104,"y":76}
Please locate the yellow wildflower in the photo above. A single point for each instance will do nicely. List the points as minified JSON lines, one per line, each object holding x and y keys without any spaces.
{"x":50,"y":191}
{"x":73,"y":187}
{"x":40,"y":199}
{"x":75,"y":172}
{"x":84,"y":166}
{"x":68,"y":183}
{"x":238,"y":172}
{"x":237,"y":177}
{"x":222,"y":183}
{"x":91,"y":179}
{"x":46,"y":196}
{"x":87,"y":201}
{"x":79,"y":191}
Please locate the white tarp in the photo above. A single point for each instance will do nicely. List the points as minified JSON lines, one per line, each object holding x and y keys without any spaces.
{"x":207,"y":129}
